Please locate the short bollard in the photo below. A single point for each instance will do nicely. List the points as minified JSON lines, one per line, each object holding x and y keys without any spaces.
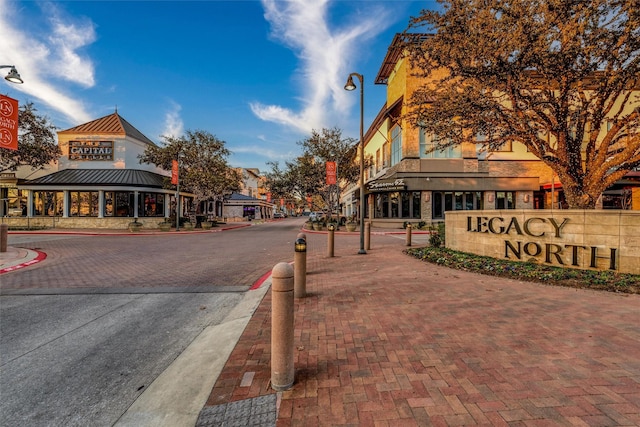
{"x":282,"y":304}
{"x":367,"y":235}
{"x":408,"y":235}
{"x":4,"y":232}
{"x":300,"y":267}
{"x":330,"y":240}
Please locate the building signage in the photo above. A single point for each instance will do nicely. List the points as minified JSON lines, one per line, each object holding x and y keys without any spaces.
{"x":524,"y":239}
{"x":387,"y":185}
{"x":331,"y":173}
{"x":90,"y":150}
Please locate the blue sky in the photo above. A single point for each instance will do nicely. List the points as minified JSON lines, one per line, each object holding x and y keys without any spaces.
{"x":258,"y":74}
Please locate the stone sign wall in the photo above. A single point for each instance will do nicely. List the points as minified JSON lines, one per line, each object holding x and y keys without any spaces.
{"x":587,"y":239}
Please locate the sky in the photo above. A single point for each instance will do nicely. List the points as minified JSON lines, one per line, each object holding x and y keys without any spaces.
{"x":258,"y":74}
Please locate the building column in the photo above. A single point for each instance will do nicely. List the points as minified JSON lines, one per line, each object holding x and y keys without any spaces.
{"x":167,"y":206}
{"x":29,"y":203}
{"x":100,"y":203}
{"x":65,"y":203}
{"x":135,"y":204}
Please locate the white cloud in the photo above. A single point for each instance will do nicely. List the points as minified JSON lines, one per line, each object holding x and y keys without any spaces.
{"x":324,"y":53}
{"x":173,"y":125}
{"x":46,"y":57}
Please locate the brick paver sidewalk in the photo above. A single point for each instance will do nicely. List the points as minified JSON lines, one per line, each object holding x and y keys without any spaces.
{"x":385,"y":339}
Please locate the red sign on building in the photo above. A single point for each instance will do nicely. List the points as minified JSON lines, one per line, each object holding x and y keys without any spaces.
{"x":8,"y":123}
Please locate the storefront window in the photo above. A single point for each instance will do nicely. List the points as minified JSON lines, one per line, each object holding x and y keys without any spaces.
{"x":443,"y":201}
{"x":48,"y":203}
{"x":83,"y":203}
{"x":399,"y":204}
{"x":16,"y":202}
{"x":151,"y":204}
{"x":505,"y":199}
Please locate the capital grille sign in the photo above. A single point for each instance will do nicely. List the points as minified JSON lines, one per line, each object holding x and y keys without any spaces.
{"x":91,"y":150}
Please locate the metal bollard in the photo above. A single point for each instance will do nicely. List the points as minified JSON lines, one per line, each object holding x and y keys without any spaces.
{"x":330,"y":240}
{"x":300,"y":267}
{"x":367,"y":235}
{"x":408,"y":240}
{"x":4,"y":232}
{"x":282,"y":304}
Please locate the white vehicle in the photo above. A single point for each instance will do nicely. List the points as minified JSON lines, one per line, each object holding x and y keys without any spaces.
{"x":316,"y":216}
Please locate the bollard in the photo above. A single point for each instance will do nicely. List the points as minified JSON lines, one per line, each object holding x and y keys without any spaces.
{"x":4,"y":231}
{"x":330,"y":237}
{"x":300,"y":267}
{"x":282,"y":304}
{"x":367,"y":235}
{"x":408,"y":241}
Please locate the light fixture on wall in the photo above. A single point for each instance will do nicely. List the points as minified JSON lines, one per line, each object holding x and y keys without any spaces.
{"x":490,"y":198}
{"x":427,"y":196}
{"x":526,"y":198}
{"x":13,"y":75}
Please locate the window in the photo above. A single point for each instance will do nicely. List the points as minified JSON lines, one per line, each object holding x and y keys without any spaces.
{"x":151,"y":204}
{"x":378,"y":164}
{"x":49,"y":203}
{"x":118,"y":203}
{"x":396,"y":145}
{"x":443,"y":201}
{"x":398,"y":204}
{"x":385,"y":155}
{"x":83,"y":203}
{"x":505,"y":199}
{"x":427,"y":142}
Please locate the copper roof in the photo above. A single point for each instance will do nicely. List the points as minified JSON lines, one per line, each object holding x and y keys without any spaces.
{"x":395,"y":52}
{"x":101,"y":177}
{"x":112,"y":124}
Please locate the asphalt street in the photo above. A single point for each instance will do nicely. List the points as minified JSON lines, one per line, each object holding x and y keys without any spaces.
{"x":84,"y":333}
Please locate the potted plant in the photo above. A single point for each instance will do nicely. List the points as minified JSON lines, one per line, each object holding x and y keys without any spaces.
{"x":187,"y":226}
{"x":318,"y":224}
{"x":135,"y":225}
{"x":206,"y":225}
{"x":164,"y":226}
{"x":351,"y":223}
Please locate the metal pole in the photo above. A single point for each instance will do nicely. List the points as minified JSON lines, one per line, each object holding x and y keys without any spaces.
{"x":362,"y":250}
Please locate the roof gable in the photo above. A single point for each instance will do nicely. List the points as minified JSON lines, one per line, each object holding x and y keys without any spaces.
{"x":112,"y":124}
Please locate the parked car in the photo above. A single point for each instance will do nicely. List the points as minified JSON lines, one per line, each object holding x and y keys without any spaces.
{"x":316,"y":216}
{"x":278,"y":215}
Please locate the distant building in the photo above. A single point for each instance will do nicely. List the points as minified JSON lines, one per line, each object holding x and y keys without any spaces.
{"x":98,"y":182}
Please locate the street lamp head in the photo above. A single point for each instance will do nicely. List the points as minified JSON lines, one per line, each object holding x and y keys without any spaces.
{"x":13,"y":75}
{"x":350,"y":85}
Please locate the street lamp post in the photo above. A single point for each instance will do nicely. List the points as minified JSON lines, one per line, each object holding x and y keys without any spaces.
{"x":351,"y":86}
{"x":13,"y":75}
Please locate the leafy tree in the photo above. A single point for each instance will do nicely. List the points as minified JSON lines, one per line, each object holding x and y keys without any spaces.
{"x":307,"y":174}
{"x":37,"y":145}
{"x":203,"y":164}
{"x":559,"y":76}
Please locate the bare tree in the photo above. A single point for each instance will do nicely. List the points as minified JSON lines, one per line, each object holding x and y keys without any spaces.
{"x":561,"y":77}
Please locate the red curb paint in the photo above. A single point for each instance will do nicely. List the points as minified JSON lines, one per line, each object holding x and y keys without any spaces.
{"x":41,"y":256}
{"x":260,"y":281}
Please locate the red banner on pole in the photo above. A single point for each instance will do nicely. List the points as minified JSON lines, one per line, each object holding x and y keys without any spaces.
{"x":8,"y":123}
{"x":174,"y":172}
{"x":269,"y":197}
{"x":331,"y":173}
